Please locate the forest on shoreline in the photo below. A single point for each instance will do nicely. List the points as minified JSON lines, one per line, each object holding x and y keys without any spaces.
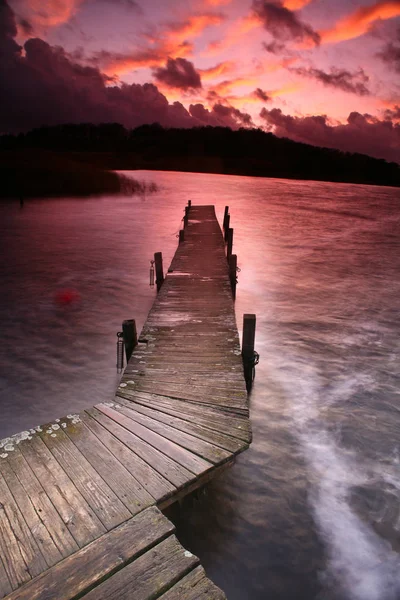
{"x":78,"y":159}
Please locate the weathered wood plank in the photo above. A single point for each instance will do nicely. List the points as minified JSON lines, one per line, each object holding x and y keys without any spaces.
{"x":182,"y":456}
{"x":100,"y":497}
{"x":165,"y":415}
{"x":149,"y":576}
{"x":22,"y":558}
{"x":5,"y":585}
{"x":194,"y":586}
{"x":117,"y":477}
{"x":32,"y":516}
{"x":159,"y":462}
{"x":92,"y":564}
{"x":79,"y":518}
{"x":210,"y":452}
{"x":156,"y":485}
{"x":212,"y":417}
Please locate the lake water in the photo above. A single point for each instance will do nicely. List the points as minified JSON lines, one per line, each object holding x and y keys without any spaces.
{"x":311,"y":511}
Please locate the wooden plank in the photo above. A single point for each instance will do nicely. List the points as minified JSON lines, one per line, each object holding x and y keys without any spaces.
{"x":183,"y":457}
{"x":187,"y":425}
{"x":5,"y":585}
{"x":79,"y":518}
{"x":21,"y":556}
{"x":117,"y":477}
{"x":216,"y":419}
{"x":100,"y":497}
{"x":156,"y":485}
{"x":172,"y":471}
{"x":198,"y":446}
{"x":194,"y":586}
{"x":37,"y":527}
{"x":149,"y":576}
{"x":91,"y":565}
{"x":41,"y":503}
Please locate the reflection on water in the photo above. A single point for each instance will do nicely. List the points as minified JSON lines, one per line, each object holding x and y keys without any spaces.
{"x":311,"y":510}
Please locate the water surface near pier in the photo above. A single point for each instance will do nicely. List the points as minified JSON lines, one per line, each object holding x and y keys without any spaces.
{"x":311,"y":510}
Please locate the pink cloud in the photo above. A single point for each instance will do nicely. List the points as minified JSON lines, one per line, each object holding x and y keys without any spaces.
{"x":361,"y":133}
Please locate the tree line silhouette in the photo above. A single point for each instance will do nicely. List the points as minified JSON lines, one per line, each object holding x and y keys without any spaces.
{"x":201,"y":149}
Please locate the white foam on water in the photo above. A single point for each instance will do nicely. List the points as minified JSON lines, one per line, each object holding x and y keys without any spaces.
{"x":360,"y":561}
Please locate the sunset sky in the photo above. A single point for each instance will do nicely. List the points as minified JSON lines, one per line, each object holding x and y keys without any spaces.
{"x":325,"y":72}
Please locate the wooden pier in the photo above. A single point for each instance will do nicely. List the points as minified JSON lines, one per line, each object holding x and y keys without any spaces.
{"x":81,"y":497}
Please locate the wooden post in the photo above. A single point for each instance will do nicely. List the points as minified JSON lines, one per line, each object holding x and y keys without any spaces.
{"x":189,"y":203}
{"x":232,"y":273}
{"x":226,"y":211}
{"x":129,"y":334}
{"x":227,"y":223}
{"x":159,"y":270}
{"x":230,"y":243}
{"x":249,"y":333}
{"x":186,"y":217}
{"x":181,"y":236}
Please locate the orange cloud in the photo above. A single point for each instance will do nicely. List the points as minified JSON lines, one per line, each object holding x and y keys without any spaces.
{"x":217,"y":2}
{"x":172,"y":42}
{"x":193,"y":26}
{"x":224,"y":87}
{"x":220,"y":69}
{"x":360,"y":21}
{"x":51,"y":13}
{"x":295,"y":4}
{"x":239,"y":29}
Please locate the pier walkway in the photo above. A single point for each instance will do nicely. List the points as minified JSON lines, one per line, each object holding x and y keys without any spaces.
{"x":81,"y":497}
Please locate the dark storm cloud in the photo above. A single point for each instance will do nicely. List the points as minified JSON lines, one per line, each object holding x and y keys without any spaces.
{"x":178,"y":73}
{"x":392,"y":113}
{"x":342,"y":79}
{"x":261,"y":95}
{"x":26,"y":26}
{"x":274,"y":47}
{"x":391,"y":56}
{"x":361,"y":133}
{"x":282,"y":23}
{"x":45,"y":86}
{"x":226,"y":116}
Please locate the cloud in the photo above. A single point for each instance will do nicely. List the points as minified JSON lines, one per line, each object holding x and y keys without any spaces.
{"x":217,"y":2}
{"x":220,"y":115}
{"x":235,"y":34}
{"x":341,"y":79}
{"x":282,"y":23}
{"x":171,"y":41}
{"x":261,"y":95}
{"x":274,"y":47}
{"x":178,"y":73}
{"x":296,"y":4}
{"x":361,"y":20}
{"x":44,"y":86}
{"x":41,"y":15}
{"x":361,"y":133}
{"x":221,"y":68}
{"x":392,"y":113}
{"x":391,"y":56}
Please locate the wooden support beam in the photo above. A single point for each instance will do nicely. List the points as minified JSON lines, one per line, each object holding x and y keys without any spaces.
{"x":229,"y":241}
{"x":159,"y":270}
{"x":226,"y":212}
{"x":181,"y":236}
{"x":186,"y":217}
{"x":226,"y":227}
{"x":249,"y":333}
{"x":233,"y":273}
{"x":129,"y":334}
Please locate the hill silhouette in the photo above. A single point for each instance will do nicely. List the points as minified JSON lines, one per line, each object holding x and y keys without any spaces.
{"x":203,"y":149}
